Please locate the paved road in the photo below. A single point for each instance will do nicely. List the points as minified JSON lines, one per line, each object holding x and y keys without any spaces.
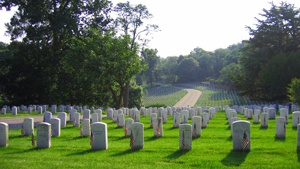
{"x":189,"y":99}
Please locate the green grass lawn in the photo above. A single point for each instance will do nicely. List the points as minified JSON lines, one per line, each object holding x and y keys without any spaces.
{"x":212,"y":150}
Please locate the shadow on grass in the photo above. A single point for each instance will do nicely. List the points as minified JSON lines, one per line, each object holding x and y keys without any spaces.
{"x":294,"y":128}
{"x":263,"y":128}
{"x":151,"y":139}
{"x":173,"y":128}
{"x":298,"y":154}
{"x":279,"y":139}
{"x":235,"y":158}
{"x":83,"y":152}
{"x":129,"y":151}
{"x":229,"y":138}
{"x":121,"y":138}
{"x":79,"y":137}
{"x":195,"y":138}
{"x":25,"y":151}
{"x":177,"y":154}
{"x":228,"y":128}
{"x":20,"y":136}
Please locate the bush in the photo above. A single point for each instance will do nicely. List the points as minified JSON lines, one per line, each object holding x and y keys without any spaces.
{"x":294,"y":90}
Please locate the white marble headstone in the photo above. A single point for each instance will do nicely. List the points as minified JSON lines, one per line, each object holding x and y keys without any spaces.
{"x":109,"y":114}
{"x":204,"y":120}
{"x":280,"y":127}
{"x":86,"y":114}
{"x":127,"y":128}
{"x":3,"y":134}
{"x":185,"y":137}
{"x":47,"y":117}
{"x":55,"y":126}
{"x":85,"y":127}
{"x":157,"y":127}
{"x":115,"y":114}
{"x":256,"y":116}
{"x":296,"y":118}
{"x":284,"y":113}
{"x":241,"y":136}
{"x":264,"y":119}
{"x":184,"y":116}
{"x":164,"y":116}
{"x":120,"y":120}
{"x":152,"y":116}
{"x":191,"y":113}
{"x":14,"y":110}
{"x":76,"y":117}
{"x":99,"y":112}
{"x":137,"y":136}
{"x":28,"y":125}
{"x":63,"y":118}
{"x":176,"y":120}
{"x":196,"y":126}
{"x":3,"y":111}
{"x":100,"y":139}
{"x":272,"y":113}
{"x":43,"y":137}
{"x":94,"y":118}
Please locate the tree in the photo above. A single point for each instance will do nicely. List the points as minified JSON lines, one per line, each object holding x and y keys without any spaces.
{"x":276,"y":37}
{"x":293,"y":90}
{"x":227,"y":73}
{"x":187,"y":70}
{"x":168,"y":67}
{"x":47,"y":28}
{"x":130,"y":21}
{"x":151,"y":60}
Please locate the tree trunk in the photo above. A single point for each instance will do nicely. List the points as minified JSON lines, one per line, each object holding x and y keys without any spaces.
{"x":126,"y":95}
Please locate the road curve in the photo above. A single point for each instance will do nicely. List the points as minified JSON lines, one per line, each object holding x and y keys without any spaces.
{"x":189,"y":99}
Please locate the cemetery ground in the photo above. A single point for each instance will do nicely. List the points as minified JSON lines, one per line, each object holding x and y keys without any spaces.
{"x":212,"y":150}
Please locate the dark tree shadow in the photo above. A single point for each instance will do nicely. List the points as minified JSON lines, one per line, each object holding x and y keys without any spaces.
{"x":177,"y":154}
{"x":298,"y":154}
{"x":129,"y":151}
{"x":235,"y":158}
{"x":83,"y":152}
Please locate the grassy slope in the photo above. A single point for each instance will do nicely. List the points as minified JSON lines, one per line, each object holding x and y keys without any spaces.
{"x":212,"y":150}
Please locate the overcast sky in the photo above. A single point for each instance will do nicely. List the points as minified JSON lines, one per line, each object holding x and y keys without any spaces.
{"x":185,"y":25}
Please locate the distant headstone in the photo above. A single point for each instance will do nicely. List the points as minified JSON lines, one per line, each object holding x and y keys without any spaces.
{"x":152,"y":116}
{"x":272,"y":113}
{"x":160,"y":110}
{"x":3,"y":111}
{"x":241,"y":136}
{"x":109,"y":113}
{"x":28,"y":125}
{"x":3,"y":134}
{"x":256,"y":116}
{"x":176,"y":120}
{"x":85,"y":127}
{"x":120,"y":120}
{"x":53,"y":108}
{"x":47,"y":117}
{"x":191,"y":113}
{"x":115,"y":114}
{"x":14,"y":110}
{"x":250,"y":113}
{"x":157,"y":127}
{"x":99,"y":139}
{"x":120,"y":111}
{"x":264,"y":119}
{"x":55,"y":126}
{"x":137,"y":136}
{"x":280,"y":127}
{"x":196,"y":126}
{"x":184,"y":116}
{"x":94,"y":118}
{"x":40,"y":110}
{"x":127,"y":128}
{"x":86,"y":114}
{"x":63,"y":118}
{"x":164,"y":116}
{"x":284,"y":113}
{"x":204,"y":119}
{"x":99,"y":112}
{"x":185,"y":137}
{"x":169,"y":110}
{"x":233,"y":119}
{"x":144,"y":112}
{"x":136,"y":116}
{"x":298,"y":137}
{"x":76,"y":119}
{"x":43,"y":137}
{"x":296,"y":118}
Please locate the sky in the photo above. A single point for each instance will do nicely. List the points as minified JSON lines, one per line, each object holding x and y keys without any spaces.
{"x":185,"y":25}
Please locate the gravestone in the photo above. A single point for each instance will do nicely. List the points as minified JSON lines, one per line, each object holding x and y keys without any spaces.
{"x":3,"y":134}
{"x":196,"y":125}
{"x":86,"y":114}
{"x":246,"y":112}
{"x":40,"y":110}
{"x":157,"y":127}
{"x":14,"y":110}
{"x":250,"y":113}
{"x":28,"y":125}
{"x":29,"y":109}
{"x":296,"y":118}
{"x":184,"y":116}
{"x":164,"y":116}
{"x":136,"y":115}
{"x":280,"y":127}
{"x":204,"y":119}
{"x":76,"y":119}
{"x":144,"y":112}
{"x":127,"y":127}
{"x":233,"y":119}
{"x":199,"y":110}
{"x":137,"y":136}
{"x":231,"y":113}
{"x":3,"y":111}
{"x":55,"y":127}
{"x":99,"y":139}
{"x":264,"y":119}
{"x":298,"y":137}
{"x":160,"y":110}
{"x":241,"y":135}
{"x":72,"y":112}
{"x":115,"y":114}
{"x":272,"y":113}
{"x":85,"y":127}
{"x":185,"y":137}
{"x":120,"y":111}
{"x":256,"y":116}
{"x":99,"y":112}
{"x":109,"y":113}
{"x":152,"y":116}
{"x":43,"y":137}
{"x":178,"y":109}
{"x":169,"y":110}
{"x":47,"y":117}
{"x":191,"y":113}
{"x":176,"y":120}
{"x":63,"y":118}
{"x":94,"y":118}
{"x":284,"y":113}
{"x":53,"y":108}
{"x":121,"y":120}
{"x":266,"y":109}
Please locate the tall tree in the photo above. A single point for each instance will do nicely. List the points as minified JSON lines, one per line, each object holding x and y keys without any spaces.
{"x":276,"y":36}
{"x":152,"y":61}
{"x":130,"y":21}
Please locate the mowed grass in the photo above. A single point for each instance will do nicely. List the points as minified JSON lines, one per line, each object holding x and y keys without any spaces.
{"x":212,"y":150}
